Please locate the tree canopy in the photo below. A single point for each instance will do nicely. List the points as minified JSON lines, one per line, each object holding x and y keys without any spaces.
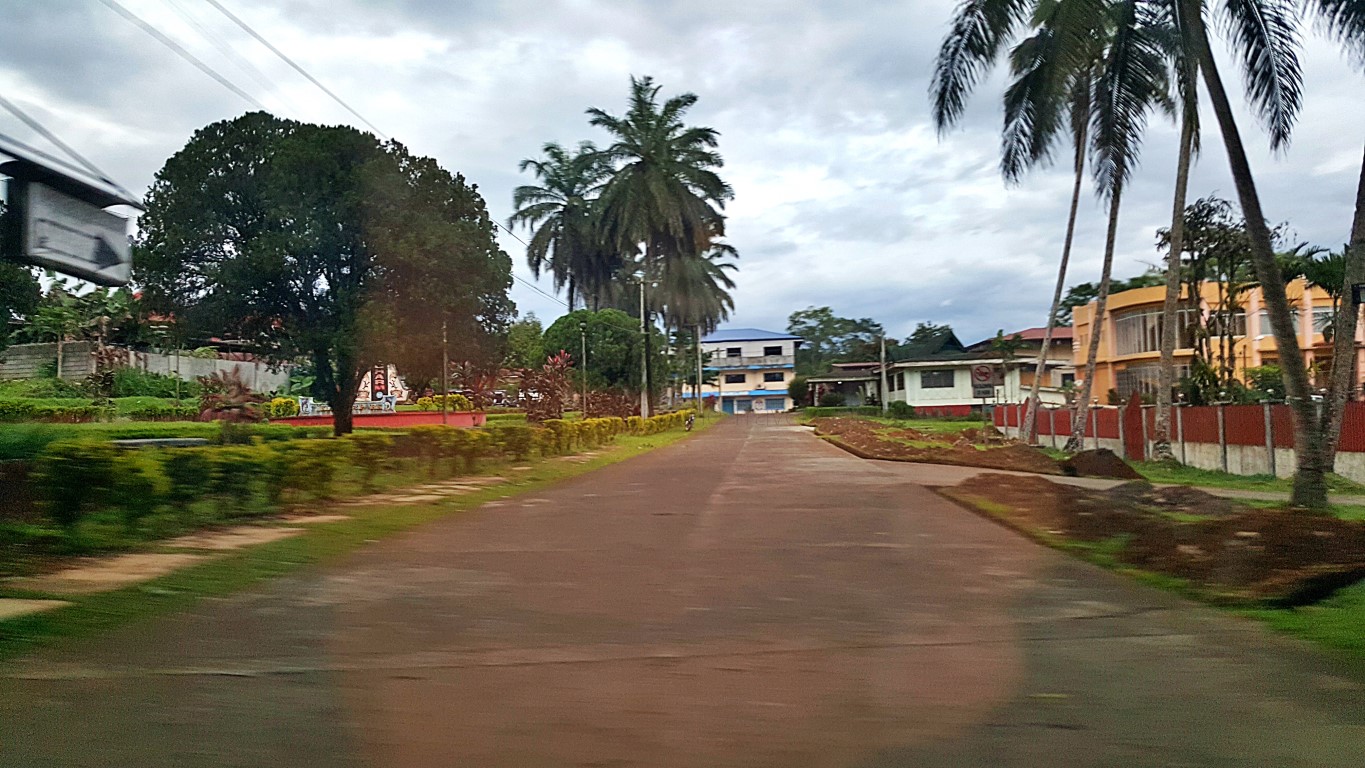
{"x":305,"y":241}
{"x":613,"y":340}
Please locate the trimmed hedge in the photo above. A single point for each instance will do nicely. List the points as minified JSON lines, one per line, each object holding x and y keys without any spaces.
{"x":861,"y":410}
{"x":253,"y":469}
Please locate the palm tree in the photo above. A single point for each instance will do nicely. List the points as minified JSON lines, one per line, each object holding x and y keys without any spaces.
{"x":694,"y":293}
{"x":1264,"y":35}
{"x":562,"y":217}
{"x":1345,"y":20}
{"x":663,"y":191}
{"x":1112,"y":53}
{"x":1186,"y":71}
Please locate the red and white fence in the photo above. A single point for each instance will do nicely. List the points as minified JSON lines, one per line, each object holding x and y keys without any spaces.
{"x":1241,"y":439}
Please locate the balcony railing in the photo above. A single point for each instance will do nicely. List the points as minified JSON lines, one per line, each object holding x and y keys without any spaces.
{"x":765,"y":361}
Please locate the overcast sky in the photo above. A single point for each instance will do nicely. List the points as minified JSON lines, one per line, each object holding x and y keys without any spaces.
{"x":844,"y":195}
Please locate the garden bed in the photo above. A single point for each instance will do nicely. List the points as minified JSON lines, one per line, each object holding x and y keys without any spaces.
{"x":969,"y":446}
{"x":1221,"y":550}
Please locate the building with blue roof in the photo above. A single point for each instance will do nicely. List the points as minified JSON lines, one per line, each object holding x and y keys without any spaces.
{"x":752,"y":369}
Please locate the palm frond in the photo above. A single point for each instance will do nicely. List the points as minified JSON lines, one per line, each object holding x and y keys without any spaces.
{"x":1264,"y":35}
{"x":979,"y":31}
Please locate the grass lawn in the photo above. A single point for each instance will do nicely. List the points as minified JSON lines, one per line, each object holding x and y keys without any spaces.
{"x":1338,"y":622}
{"x":1180,"y":475}
{"x":319,"y":544}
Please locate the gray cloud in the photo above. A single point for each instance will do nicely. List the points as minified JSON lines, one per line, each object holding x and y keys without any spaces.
{"x":845,"y":195}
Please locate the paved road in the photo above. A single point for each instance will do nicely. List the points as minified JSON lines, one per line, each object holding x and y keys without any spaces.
{"x":749,"y":597}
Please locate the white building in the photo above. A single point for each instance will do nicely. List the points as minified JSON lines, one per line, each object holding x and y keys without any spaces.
{"x":752,"y":369}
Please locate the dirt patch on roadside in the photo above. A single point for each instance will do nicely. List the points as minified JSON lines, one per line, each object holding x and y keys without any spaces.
{"x":1225,"y":550}
{"x":971,"y":447}
{"x":1101,"y":462}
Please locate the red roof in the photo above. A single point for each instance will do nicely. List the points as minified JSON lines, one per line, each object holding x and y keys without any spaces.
{"x":1036,"y":334}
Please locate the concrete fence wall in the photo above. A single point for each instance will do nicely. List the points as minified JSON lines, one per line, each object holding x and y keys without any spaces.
{"x":27,"y":361}
{"x":1239,"y":439}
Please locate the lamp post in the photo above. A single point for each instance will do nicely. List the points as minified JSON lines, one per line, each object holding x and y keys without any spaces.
{"x":644,"y":355}
{"x":583,"y":364}
{"x":445,"y":372}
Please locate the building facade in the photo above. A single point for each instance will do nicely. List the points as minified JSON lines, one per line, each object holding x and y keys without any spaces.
{"x":1129,"y":354}
{"x":752,"y":369}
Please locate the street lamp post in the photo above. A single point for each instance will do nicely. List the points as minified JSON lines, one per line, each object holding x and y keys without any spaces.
{"x":583,"y":363}
{"x":644,"y":355}
{"x":445,"y":372}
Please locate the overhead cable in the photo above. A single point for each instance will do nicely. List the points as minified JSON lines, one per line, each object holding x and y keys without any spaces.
{"x":114,"y":6}
{"x":259,"y":38}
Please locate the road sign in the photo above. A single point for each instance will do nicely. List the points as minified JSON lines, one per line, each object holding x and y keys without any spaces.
{"x":983,"y":391}
{"x":984,"y":374}
{"x":74,"y":237}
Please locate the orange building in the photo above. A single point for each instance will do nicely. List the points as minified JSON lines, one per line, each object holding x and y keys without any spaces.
{"x":1130,"y":343}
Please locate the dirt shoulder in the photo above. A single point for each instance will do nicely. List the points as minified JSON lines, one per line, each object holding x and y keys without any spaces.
{"x":1219,"y":549}
{"x":969,"y":447}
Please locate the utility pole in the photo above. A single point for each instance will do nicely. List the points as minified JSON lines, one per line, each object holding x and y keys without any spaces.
{"x":583,"y":364}
{"x":696,"y":340}
{"x":885,"y":393}
{"x":644,"y":355}
{"x":445,"y":372}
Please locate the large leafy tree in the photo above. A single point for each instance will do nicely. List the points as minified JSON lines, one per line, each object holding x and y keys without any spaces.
{"x":304,"y":241}
{"x":828,"y":338}
{"x":561,"y":213}
{"x":613,"y":342}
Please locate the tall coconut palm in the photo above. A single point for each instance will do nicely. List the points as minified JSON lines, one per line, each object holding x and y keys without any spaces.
{"x":561,"y":215}
{"x":1186,"y":76}
{"x":1111,"y":51}
{"x":694,"y":291}
{"x":1031,"y":120}
{"x":1345,"y":20}
{"x":663,"y":198}
{"x":1264,"y":37}
{"x":663,"y":192}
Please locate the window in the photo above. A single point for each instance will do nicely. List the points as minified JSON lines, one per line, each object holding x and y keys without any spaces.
{"x":772,"y":351}
{"x":1322,"y":319}
{"x":936,"y":379}
{"x":902,"y":379}
{"x":1139,"y":330}
{"x":734,"y":351}
{"x":1068,"y":378}
{"x":734,"y":378}
{"x":1263,"y":317}
{"x":774,"y":376}
{"x":1143,"y":379}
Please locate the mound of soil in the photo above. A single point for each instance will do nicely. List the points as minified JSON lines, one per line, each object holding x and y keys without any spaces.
{"x":1100,"y":462}
{"x":1227,"y":551}
{"x":870,"y":440}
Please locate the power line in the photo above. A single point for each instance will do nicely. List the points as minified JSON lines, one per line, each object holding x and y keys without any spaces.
{"x":247,"y":28}
{"x":114,"y":6}
{"x":223,"y":47}
{"x":42,"y":130}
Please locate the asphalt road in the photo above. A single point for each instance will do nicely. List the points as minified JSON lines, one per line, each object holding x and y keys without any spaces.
{"x":748,"y":597}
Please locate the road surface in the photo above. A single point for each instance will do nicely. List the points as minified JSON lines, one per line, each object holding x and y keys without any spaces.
{"x":748,"y":597}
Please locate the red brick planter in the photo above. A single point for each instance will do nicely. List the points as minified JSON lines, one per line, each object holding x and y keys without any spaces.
{"x":399,"y":419}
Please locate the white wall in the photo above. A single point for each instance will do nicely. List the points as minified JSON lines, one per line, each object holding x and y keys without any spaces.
{"x":749,"y":348}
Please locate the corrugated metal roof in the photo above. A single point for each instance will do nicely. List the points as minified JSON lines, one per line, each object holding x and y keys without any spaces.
{"x":746,"y":334}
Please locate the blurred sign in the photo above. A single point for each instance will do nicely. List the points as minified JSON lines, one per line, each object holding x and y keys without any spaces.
{"x":983,"y":391}
{"x":74,"y":237}
{"x":983,"y":375}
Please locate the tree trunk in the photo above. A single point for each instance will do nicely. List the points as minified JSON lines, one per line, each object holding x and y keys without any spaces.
{"x":1170,"y":318}
{"x":341,"y":395}
{"x":1310,"y":444}
{"x":1077,"y":439}
{"x":1031,"y":411}
{"x":1344,"y":363}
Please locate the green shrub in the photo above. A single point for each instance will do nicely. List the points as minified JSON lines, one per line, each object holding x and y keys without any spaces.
{"x":831,"y":400}
{"x":369,"y":451}
{"x":313,"y":465}
{"x":565,"y":434}
{"x":424,"y":442}
{"x":43,"y":389}
{"x":133,"y":382}
{"x":513,"y":440}
{"x":190,"y":472}
{"x":140,"y":486}
{"x":236,"y":472}
{"x":73,"y":478}
{"x":156,"y":409}
{"x":426,"y":403}
{"x":454,"y":402}
{"x":899,"y":409}
{"x":280,"y":408}
{"x":55,"y":411}
{"x":860,"y":410}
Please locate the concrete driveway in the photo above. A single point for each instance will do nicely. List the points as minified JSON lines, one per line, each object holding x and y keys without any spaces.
{"x":748,"y":597}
